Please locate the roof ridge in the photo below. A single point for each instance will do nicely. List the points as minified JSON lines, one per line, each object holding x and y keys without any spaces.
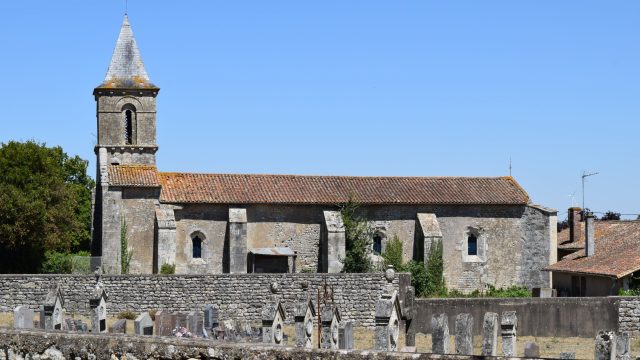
{"x":338,"y":176}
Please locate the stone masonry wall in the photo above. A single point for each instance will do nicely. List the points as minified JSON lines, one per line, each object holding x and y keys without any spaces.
{"x":16,"y":344}
{"x":629,"y":315}
{"x":237,"y":296}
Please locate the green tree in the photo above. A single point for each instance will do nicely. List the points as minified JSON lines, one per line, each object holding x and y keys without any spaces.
{"x":392,"y":254}
{"x":358,"y":239}
{"x":45,"y":204}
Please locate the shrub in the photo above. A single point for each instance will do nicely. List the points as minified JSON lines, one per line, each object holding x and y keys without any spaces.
{"x":392,"y":254}
{"x":358,"y":239}
{"x":56,"y":263}
{"x":129,"y":315}
{"x":435,"y":285}
{"x":152,"y":314}
{"x":167,"y":269}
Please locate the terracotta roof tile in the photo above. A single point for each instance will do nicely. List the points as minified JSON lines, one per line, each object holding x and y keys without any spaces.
{"x":617,"y":250}
{"x":133,"y":176}
{"x":295,"y":189}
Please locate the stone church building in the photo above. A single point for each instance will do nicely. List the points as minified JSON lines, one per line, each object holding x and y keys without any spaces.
{"x":239,"y":223}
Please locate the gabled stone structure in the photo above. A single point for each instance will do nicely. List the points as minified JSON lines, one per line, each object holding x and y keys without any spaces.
{"x":304,"y":313}
{"x":273,"y":317}
{"x":52,"y":315}
{"x":330,"y":318}
{"x":388,"y":317}
{"x":98,"y":308}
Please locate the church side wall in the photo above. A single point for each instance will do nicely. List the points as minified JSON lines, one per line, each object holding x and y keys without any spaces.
{"x":514,"y":242}
{"x":209,"y":222}
{"x":297,"y":227}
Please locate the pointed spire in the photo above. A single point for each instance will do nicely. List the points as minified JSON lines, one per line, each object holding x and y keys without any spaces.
{"x":126,"y":69}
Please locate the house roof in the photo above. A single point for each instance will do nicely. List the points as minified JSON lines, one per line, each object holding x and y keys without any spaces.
{"x":133,"y":176}
{"x":617,"y":250}
{"x":296,"y":189}
{"x":184,"y":188}
{"x":126,"y":69}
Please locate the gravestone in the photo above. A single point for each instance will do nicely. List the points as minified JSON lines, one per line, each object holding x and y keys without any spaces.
{"x":464,"y":334}
{"x":179,"y":320}
{"x":195,"y":323}
{"x":23,"y":317}
{"x":347,"y":336}
{"x":440,"y":334}
{"x":164,"y":323}
{"x":531,"y":350}
{"x":273,"y":317}
{"x":143,"y":325}
{"x":210,"y":317}
{"x":408,"y":313}
{"x":52,"y":315}
{"x":388,"y":315}
{"x":330,"y":321}
{"x":303,"y":315}
{"x":98,"y":306}
{"x":623,"y":346}
{"x":605,"y":345}
{"x":508,"y":331}
{"x":490,"y":334}
{"x":71,"y":325}
{"x":119,"y":327}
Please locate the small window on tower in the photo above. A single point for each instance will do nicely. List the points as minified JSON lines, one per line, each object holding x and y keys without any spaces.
{"x":129,"y":124}
{"x":128,"y":127}
{"x":472,"y":245}
{"x":197,"y":247}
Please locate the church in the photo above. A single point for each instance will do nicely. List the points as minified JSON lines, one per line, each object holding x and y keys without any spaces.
{"x":491,"y":232}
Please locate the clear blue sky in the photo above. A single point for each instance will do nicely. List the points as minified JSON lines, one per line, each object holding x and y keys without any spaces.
{"x":415,"y":88}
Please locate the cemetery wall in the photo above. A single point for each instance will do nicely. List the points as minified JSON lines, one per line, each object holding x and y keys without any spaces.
{"x":17,"y":344}
{"x":553,"y":317}
{"x":237,"y":296}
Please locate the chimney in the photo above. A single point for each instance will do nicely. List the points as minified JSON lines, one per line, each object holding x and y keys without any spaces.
{"x":575,"y":216}
{"x":589,"y":235}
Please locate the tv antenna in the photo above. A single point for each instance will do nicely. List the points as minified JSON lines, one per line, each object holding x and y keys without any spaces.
{"x":572,"y":196}
{"x":584,"y":176}
{"x":510,"y":167}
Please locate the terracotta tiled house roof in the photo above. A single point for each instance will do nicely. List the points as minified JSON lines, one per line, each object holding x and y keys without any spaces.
{"x":295,"y":189}
{"x":133,"y":176}
{"x":617,"y":250}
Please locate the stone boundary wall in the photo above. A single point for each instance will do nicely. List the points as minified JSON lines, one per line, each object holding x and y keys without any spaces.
{"x":629,"y":314}
{"x":553,"y":317}
{"x":237,"y":296}
{"x":17,"y":344}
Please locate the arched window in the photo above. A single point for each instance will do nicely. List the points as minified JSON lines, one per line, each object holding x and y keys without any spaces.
{"x":197,"y":247}
{"x":472,"y":245}
{"x":129,"y":119}
{"x":377,"y":244}
{"x":128,"y":132}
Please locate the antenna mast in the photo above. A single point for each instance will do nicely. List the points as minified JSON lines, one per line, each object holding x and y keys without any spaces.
{"x":584,"y":176}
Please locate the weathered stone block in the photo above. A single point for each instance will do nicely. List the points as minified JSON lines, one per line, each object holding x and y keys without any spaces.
{"x":531,"y":350}
{"x":464,"y":334}
{"x":508,"y":328}
{"x":23,"y":317}
{"x":440,"y":334}
{"x":490,"y":334}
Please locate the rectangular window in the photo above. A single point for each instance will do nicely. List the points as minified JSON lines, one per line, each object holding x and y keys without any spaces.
{"x":472,"y":245}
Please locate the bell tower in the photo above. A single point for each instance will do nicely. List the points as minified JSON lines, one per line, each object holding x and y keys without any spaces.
{"x":126,"y":107}
{"x":126,"y":118}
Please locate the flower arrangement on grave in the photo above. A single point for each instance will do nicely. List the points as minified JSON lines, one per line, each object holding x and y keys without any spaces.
{"x":182,"y":332}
